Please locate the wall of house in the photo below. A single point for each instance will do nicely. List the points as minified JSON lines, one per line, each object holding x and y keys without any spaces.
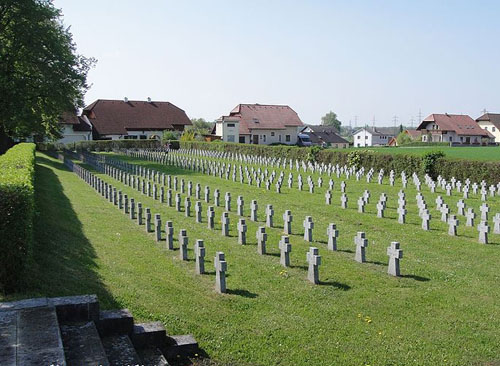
{"x":73,"y":136}
{"x":267,"y":137}
{"x":137,"y":134}
{"x":380,"y":140}
{"x":490,"y":127}
{"x":362,"y":138}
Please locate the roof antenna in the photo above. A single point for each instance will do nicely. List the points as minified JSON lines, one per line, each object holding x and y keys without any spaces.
{"x":149,"y":100}
{"x":125,"y":100}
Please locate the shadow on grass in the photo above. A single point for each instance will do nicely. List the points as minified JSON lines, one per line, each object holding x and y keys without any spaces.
{"x":416,"y":278}
{"x":240,"y":292}
{"x":64,"y":260}
{"x":340,"y":286}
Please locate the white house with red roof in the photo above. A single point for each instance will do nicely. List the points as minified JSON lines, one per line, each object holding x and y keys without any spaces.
{"x":74,"y":128}
{"x":259,"y":124}
{"x":453,"y":128}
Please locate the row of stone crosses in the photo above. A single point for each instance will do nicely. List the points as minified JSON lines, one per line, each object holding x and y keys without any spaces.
{"x":214,"y":163}
{"x":129,"y":207}
{"x":451,"y":220}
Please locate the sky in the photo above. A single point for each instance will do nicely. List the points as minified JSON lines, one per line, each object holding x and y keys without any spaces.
{"x":364,"y":60}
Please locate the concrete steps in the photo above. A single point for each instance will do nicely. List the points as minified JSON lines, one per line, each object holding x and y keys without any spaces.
{"x":73,"y":331}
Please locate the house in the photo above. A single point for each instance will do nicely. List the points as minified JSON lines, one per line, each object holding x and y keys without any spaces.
{"x":74,"y":128}
{"x":490,"y":122}
{"x":374,"y":136}
{"x":414,"y":135}
{"x":259,"y":124}
{"x":325,"y":136}
{"x":453,"y":128}
{"x":133,"y":119}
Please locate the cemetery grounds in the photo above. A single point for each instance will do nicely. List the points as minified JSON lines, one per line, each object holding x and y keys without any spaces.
{"x":443,"y":310}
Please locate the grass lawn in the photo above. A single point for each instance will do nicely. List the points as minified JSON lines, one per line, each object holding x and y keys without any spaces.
{"x":443,"y":311}
{"x":486,"y":153}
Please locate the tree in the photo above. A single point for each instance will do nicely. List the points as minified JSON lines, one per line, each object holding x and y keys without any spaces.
{"x":41,"y":75}
{"x":330,"y":119}
{"x":403,"y":139}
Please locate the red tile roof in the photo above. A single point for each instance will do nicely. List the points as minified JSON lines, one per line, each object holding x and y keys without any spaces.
{"x":78,"y":122}
{"x":460,"y":124}
{"x":264,"y":117}
{"x":493,"y":118}
{"x":115,"y":117}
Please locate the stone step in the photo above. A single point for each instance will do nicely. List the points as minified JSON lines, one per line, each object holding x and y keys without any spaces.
{"x":115,"y":322}
{"x":152,"y":356}
{"x":39,"y":339}
{"x":76,"y":308}
{"x":82,"y":344}
{"x":120,"y":350}
{"x":182,"y":345}
{"x":148,"y":335}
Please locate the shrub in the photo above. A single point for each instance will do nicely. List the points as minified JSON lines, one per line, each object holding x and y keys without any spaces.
{"x":170,"y":135}
{"x":109,"y":145}
{"x":429,"y":162}
{"x":17,"y":169}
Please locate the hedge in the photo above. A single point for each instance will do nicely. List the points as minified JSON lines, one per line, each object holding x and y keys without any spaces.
{"x":17,"y":206}
{"x":109,"y":145}
{"x":460,"y":169}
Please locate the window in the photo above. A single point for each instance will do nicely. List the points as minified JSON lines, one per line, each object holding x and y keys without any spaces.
{"x":287,"y":138}
{"x":359,"y":137}
{"x":230,"y":138}
{"x":272,"y":133}
{"x":143,"y":137}
{"x":230,"y":125}
{"x":366,"y":137}
{"x":130,"y":137}
{"x":493,"y":129}
{"x":486,"y":128}
{"x":264,"y":138}
{"x":242,"y":139}
{"x":279,"y":137}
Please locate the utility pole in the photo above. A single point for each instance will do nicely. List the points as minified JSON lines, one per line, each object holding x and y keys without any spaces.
{"x":411,"y":121}
{"x":419,"y":115}
{"x":484,"y":111}
{"x":355,"y":121}
{"x":373,"y":122}
{"x":395,"y":120}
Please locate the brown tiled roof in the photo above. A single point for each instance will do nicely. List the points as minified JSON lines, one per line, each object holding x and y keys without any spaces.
{"x":493,"y":118}
{"x":78,"y":122}
{"x":264,"y":117}
{"x":459,"y":123}
{"x":115,"y":117}
{"x":414,"y":134}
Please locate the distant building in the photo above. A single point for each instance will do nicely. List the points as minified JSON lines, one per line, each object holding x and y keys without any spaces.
{"x":325,"y":136}
{"x":453,"y":128}
{"x":74,"y":128}
{"x":413,"y":134}
{"x":259,"y":124}
{"x":374,"y":136}
{"x":490,"y":122}
{"x":131,"y":119}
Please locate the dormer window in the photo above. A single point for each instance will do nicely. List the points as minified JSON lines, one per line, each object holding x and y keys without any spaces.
{"x":255,"y":120}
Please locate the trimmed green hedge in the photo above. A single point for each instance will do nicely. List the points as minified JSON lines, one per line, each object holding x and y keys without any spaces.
{"x":109,"y":145}
{"x":17,"y":206}
{"x":460,"y":169}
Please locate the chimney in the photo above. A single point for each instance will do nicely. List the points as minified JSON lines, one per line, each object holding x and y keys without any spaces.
{"x":149,"y":100}
{"x":125,"y":100}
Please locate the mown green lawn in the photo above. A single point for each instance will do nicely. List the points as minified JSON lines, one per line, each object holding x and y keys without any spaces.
{"x":486,"y":153}
{"x":443,"y":311}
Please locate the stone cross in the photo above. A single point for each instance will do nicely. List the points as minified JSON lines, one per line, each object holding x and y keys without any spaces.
{"x":342,"y":187}
{"x":187,"y":206}
{"x":217,"y":197}
{"x":183,"y":245}
{"x":452,"y":225}
{"x":402,"y":214}
{"x":269,"y":215}
{"x":483,"y":229}
{"x":395,"y":254}
{"x":239,"y":205}
{"x":308,"y":228}
{"x":328,"y":197}
{"x":445,"y":211}
{"x":261,"y":240}
{"x":439,"y":202}
{"x":183,"y":185}
{"x":496,"y":224}
{"x":207,"y":194}
{"x":470,"y":216}
{"x":199,"y":253}
{"x":287,"y":222}
{"x":461,"y":207}
{"x":197,"y":210}
{"x":169,"y":234}
{"x":242,"y":232}
{"x":227,"y":201}
{"x":361,"y":244}
{"x":169,"y":198}
{"x":210,"y":217}
{"x":220,"y":265}
{"x":225,"y":223}
{"x":361,"y":205}
{"x":333,"y":234}
{"x":158,"y":227}
{"x":344,"y":200}
{"x":190,"y":189}
{"x":162,"y":194}
{"x":178,"y":202}
{"x":426,"y":218}
{"x":148,"y":220}
{"x":485,"y":209}
{"x":285,"y":249}
{"x":253,"y":210}
{"x":380,"y":209}
{"x":132,"y":208}
{"x":197,"y":191}
{"x":314,"y":260}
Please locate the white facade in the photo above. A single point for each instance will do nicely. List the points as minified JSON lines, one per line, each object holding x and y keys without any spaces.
{"x":491,"y":128}
{"x":364,"y":137}
{"x":136,"y":135}
{"x":73,"y":136}
{"x":229,"y":131}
